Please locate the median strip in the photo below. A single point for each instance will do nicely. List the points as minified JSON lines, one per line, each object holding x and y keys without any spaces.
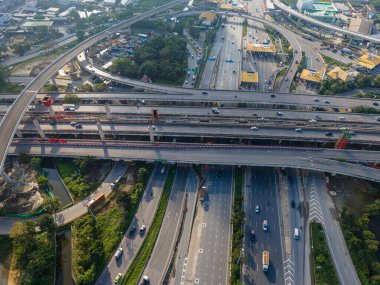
{"x":142,"y":257}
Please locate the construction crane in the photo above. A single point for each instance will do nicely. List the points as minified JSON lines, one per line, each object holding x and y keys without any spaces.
{"x":344,"y":139}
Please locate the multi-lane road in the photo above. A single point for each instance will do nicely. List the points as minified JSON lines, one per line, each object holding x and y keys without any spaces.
{"x":261,"y":189}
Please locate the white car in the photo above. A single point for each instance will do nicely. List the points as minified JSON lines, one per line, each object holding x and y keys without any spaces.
{"x":31,"y":107}
{"x":142,"y":229}
{"x":265,"y":225}
{"x":118,"y":252}
{"x":298,"y":130}
{"x":257,"y":209}
{"x":254,"y":128}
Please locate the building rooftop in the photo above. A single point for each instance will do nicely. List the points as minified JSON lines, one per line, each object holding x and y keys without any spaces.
{"x":261,"y":48}
{"x":30,"y":24}
{"x":249,"y":77}
{"x":360,"y":25}
{"x":209,"y":16}
{"x":338,"y":73}
{"x":232,"y":7}
{"x":369,"y":60}
{"x":312,"y":76}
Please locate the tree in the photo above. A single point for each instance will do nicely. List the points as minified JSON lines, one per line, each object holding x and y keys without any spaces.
{"x":124,"y":67}
{"x":42,"y":181}
{"x":36,"y":163}
{"x":98,"y":87}
{"x":150,"y":68}
{"x":85,"y":88}
{"x":50,"y":87}
{"x":51,"y":204}
{"x":21,"y":48}
{"x":47,"y":224}
{"x":84,"y":164}
{"x":80,"y":35}
{"x":24,"y":158}
{"x":22,"y":233}
{"x":71,"y":99}
{"x":142,"y":175}
{"x":3,"y":76}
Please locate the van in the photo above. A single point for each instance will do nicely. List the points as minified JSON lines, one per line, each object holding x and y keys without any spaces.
{"x":296,"y":233}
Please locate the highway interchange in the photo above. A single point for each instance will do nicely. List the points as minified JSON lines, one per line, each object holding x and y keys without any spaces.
{"x":203,"y":251}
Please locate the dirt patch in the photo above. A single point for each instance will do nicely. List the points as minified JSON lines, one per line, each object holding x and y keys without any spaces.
{"x":353,"y":193}
{"x":32,"y":66}
{"x":22,"y":195}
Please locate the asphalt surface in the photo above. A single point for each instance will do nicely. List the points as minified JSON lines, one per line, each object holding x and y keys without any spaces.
{"x":316,"y":188}
{"x":319,"y":159}
{"x":297,"y":258}
{"x":235,"y":97}
{"x":185,"y":112}
{"x":212,"y":260}
{"x":144,"y":216}
{"x":164,"y":247}
{"x":261,"y":189}
{"x":12,"y":118}
{"x":287,"y":132}
{"x":179,"y":270}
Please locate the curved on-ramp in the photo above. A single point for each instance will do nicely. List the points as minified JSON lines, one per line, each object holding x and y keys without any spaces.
{"x":14,"y":114}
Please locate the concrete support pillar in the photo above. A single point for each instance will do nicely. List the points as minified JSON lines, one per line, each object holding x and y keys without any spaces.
{"x":53,"y":81}
{"x":52,"y":112}
{"x":100,"y":130}
{"x":108,"y":111}
{"x":5,"y":176}
{"x":151,"y":135}
{"x":19,"y":134}
{"x":38,"y":127}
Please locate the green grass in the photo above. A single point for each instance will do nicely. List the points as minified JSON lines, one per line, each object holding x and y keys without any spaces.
{"x":11,"y":88}
{"x":237,"y":222}
{"x":65,"y":167}
{"x":333,"y":62}
{"x":323,"y":270}
{"x":245,"y":28}
{"x":367,"y":95}
{"x":142,"y":256}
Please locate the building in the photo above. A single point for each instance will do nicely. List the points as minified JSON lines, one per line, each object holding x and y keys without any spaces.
{"x":233,"y":7}
{"x":5,"y":19}
{"x":338,"y":73}
{"x":30,"y":25}
{"x":208,"y":18}
{"x":370,"y":62}
{"x":323,"y":11}
{"x":109,"y":3}
{"x":249,"y":78}
{"x":261,"y":49}
{"x":311,"y":77}
{"x":360,"y":25}
{"x":52,"y":11}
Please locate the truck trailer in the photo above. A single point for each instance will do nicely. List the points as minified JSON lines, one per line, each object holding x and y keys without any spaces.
{"x":265,"y":260}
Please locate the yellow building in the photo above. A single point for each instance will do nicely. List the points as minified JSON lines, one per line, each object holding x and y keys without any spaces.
{"x":208,"y":18}
{"x":338,"y":73}
{"x":370,"y":62}
{"x":311,"y":76}
{"x":230,"y":7}
{"x":249,"y":78}
{"x":260,"y":48}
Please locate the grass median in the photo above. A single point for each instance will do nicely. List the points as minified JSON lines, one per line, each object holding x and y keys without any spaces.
{"x":142,"y":257}
{"x":238,"y":233}
{"x":323,"y":271}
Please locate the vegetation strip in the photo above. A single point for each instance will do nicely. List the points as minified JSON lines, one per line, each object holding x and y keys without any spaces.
{"x":142,"y":257}
{"x":238,"y":232}
{"x":323,"y":270}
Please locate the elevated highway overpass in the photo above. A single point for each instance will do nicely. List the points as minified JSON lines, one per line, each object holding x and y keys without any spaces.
{"x":313,"y":21}
{"x":305,"y":158}
{"x":14,"y":114}
{"x":200,"y":131}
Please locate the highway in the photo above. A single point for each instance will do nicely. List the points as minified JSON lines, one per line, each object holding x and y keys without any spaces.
{"x":264,"y":131}
{"x":261,"y":189}
{"x":144,"y":216}
{"x":318,"y":197}
{"x":159,"y":261}
{"x":167,"y":113}
{"x":313,"y":21}
{"x":306,"y":158}
{"x":210,"y":241}
{"x":234,"y":97}
{"x":12,"y":118}
{"x":297,"y":258}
